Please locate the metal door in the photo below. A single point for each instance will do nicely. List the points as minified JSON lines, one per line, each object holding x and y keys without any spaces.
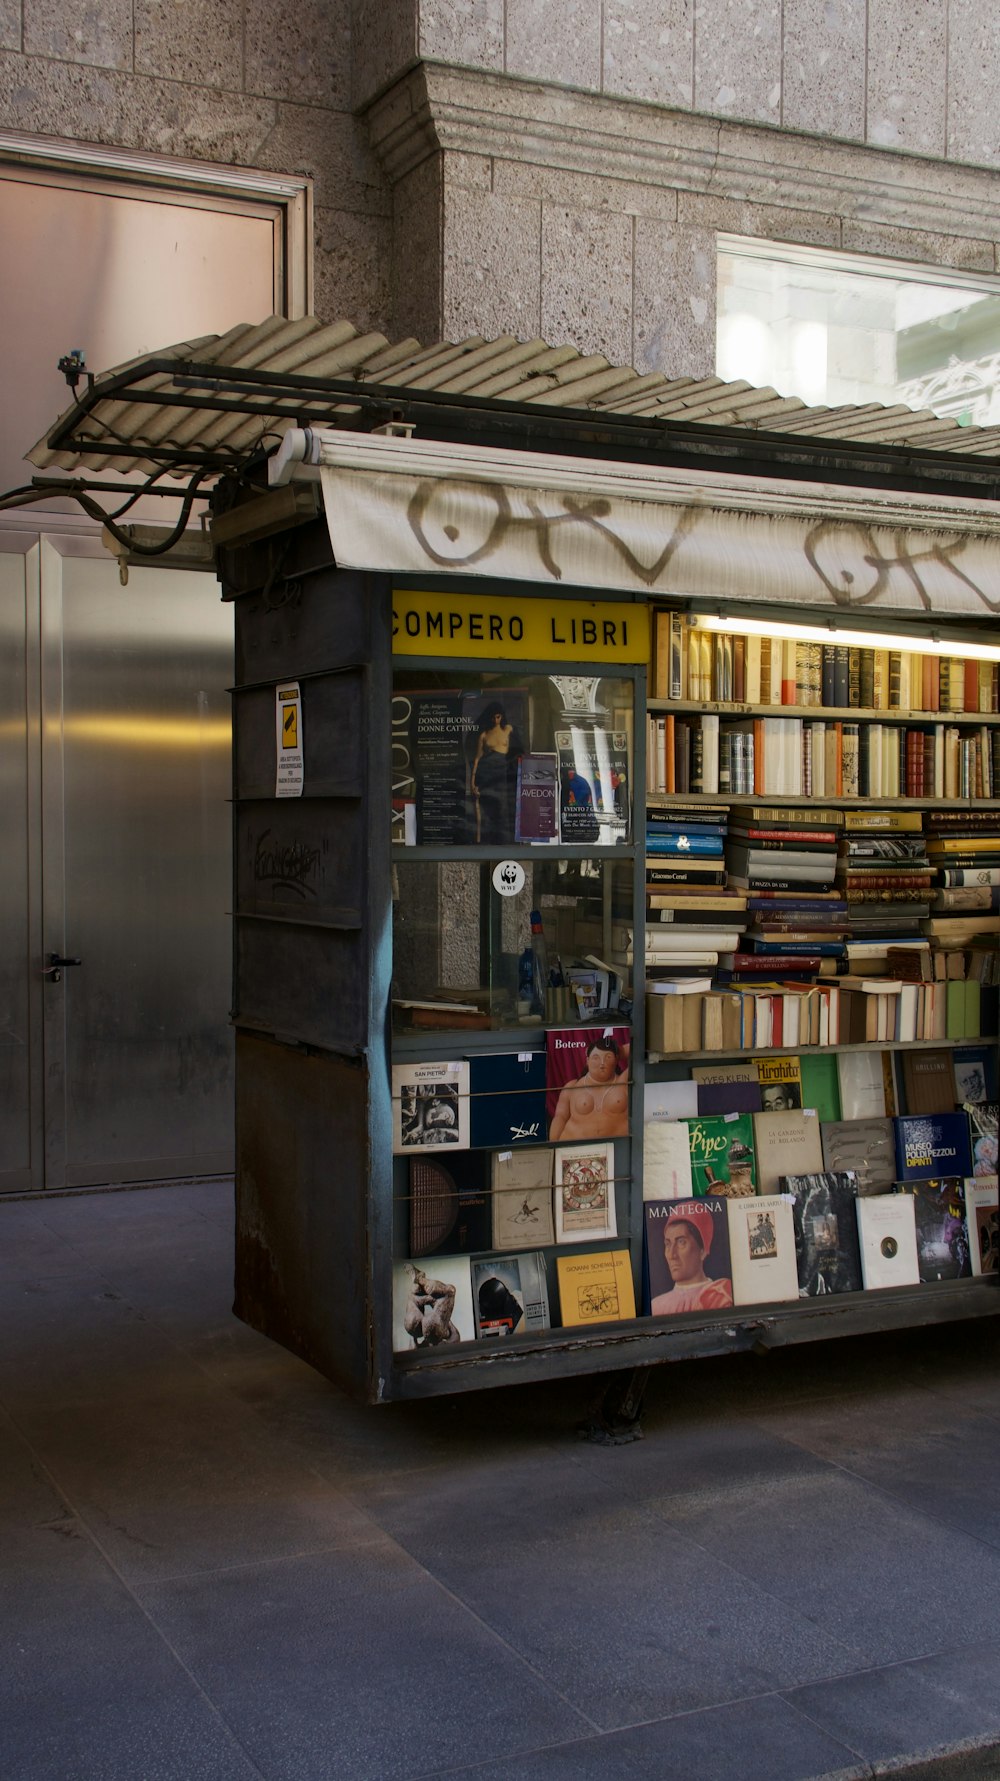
{"x":122,"y":794}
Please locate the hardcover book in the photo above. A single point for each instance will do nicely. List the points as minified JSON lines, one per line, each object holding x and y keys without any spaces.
{"x":729,"y":1097}
{"x":862,"y":1147}
{"x":888,"y":1234}
{"x":595,"y":1288}
{"x":786,"y":1144}
{"x":780,"y":1081}
{"x":510,"y":1295}
{"x":522,"y":1199}
{"x":942,"y":1232}
{"x":507,"y":1091}
{"x":975,"y":1074}
{"x":722,"y":1155}
{"x":585,"y":1193}
{"x":432,"y":1303}
{"x":666,"y":1161}
{"x":928,"y":1081}
{"x":820,"y":1085}
{"x":687,"y":1265}
{"x":983,"y":1221}
{"x":862,"y":1086}
{"x":587,"y":1076}
{"x":450,"y":1211}
{"x":827,"y":1248}
{"x":983,"y":1131}
{"x":762,"y":1250}
{"x":430,"y":1106}
{"x":932,"y":1145}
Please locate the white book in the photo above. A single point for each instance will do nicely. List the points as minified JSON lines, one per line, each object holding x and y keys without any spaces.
{"x":522,"y":1198}
{"x":710,"y":752}
{"x":430,"y":1107}
{"x":585,"y":1193}
{"x":432,"y":1302}
{"x":907,"y":1010}
{"x":669,"y":1100}
{"x":862,"y":1088}
{"x":666,"y":1160}
{"x":887,"y":1228}
{"x":688,"y":937}
{"x":981,"y":1207}
{"x":762,"y":1250}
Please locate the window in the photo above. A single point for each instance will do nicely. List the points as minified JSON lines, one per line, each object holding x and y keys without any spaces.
{"x":838,"y":328}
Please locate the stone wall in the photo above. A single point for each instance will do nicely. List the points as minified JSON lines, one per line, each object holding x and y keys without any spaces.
{"x":250,"y":83}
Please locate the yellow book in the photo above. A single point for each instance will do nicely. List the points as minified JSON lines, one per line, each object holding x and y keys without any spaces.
{"x":595,"y":1288}
{"x":886,"y":821}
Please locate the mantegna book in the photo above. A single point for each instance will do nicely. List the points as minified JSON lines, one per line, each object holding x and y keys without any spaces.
{"x":508,"y":1099}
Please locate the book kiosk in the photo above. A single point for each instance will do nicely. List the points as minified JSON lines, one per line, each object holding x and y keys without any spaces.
{"x":596,"y":825}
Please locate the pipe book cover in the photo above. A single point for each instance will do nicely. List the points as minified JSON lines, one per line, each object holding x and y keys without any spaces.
{"x":722,"y":1155}
{"x":932,"y":1145}
{"x":522,"y":1199}
{"x":686,"y":1263}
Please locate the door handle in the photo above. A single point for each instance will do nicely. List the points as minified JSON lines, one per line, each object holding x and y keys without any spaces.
{"x":54,"y":969}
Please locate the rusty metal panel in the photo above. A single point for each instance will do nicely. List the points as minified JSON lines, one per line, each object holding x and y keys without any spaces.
{"x":308,"y":984}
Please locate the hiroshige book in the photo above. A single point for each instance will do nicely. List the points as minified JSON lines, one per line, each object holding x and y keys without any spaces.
{"x":432,"y":1303}
{"x":687,"y":1266}
{"x":430,"y":1106}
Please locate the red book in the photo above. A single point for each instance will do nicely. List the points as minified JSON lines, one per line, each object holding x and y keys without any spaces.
{"x":768,"y":964}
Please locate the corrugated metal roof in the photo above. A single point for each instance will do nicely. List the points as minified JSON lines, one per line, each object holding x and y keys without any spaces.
{"x":506,"y":369}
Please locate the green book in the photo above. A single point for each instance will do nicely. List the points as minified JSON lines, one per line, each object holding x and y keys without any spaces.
{"x":820,"y":1085}
{"x":722,"y":1155}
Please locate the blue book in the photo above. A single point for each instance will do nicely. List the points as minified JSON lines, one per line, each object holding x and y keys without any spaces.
{"x":932,"y":1145}
{"x":507,"y":1090}
{"x":703,"y":845}
{"x":667,"y":825}
{"x":824,"y":949}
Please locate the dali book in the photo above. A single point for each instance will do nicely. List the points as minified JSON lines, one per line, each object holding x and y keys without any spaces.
{"x":786,"y":1144}
{"x":887,"y":1230}
{"x":432,"y":1303}
{"x":932,"y":1146}
{"x":430,"y":1106}
{"x":595,"y":1287}
{"x":827,"y":1248}
{"x":507,"y":1091}
{"x":762,"y":1250}
{"x":522,"y":1199}
{"x":585,"y":1193}
{"x":687,"y":1256}
{"x":722,"y":1155}
{"x":510,"y":1295}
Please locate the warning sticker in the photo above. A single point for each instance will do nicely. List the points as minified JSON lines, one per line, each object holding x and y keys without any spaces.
{"x":288,"y":734}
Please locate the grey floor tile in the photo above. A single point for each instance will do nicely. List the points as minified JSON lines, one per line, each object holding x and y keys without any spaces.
{"x":757,"y":1740}
{"x":595,"y":1591}
{"x":602,"y":1758}
{"x":180,"y":1483}
{"x":30,"y":1248}
{"x":891,"y":1581}
{"x":68,"y":1341}
{"x":912,"y":1709}
{"x":356,"y":1665}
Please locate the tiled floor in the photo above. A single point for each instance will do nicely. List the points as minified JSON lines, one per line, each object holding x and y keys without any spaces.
{"x":217,"y":1569}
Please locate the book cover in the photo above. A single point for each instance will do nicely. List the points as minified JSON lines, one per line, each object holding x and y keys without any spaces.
{"x":821,"y":1085}
{"x":595,"y":1288}
{"x":522,"y":1199}
{"x":932,"y":1145}
{"x":746,"y":1072}
{"x":862,"y":1084}
{"x":787,"y":1143}
{"x":975,"y":1074}
{"x":722,"y":1155}
{"x":827,"y":1247}
{"x":510,"y":1295}
{"x":587,"y":1077}
{"x":983,"y":1222}
{"x":585,"y":1193}
{"x":780,"y":1080}
{"x":432,"y":1305}
{"x":537,"y":806}
{"x":687,"y":1265}
{"x":862,"y":1147}
{"x":762,"y":1250}
{"x":666,"y":1161}
{"x":507,"y":1094}
{"x":887,"y":1231}
{"x":438,"y":764}
{"x":728,"y":1097}
{"x":928,"y":1081}
{"x":593,"y":785}
{"x":430,"y":1106}
{"x":942,"y":1231}
{"x":450,"y":1209}
{"x":983,"y":1133}
{"x":669,"y":1100}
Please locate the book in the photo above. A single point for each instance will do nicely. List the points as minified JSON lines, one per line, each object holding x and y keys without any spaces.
{"x":510,"y":1295}
{"x":507,"y":1090}
{"x":722,"y":1155}
{"x":821,"y":1085}
{"x":585,"y":1193}
{"x":728,"y":1097}
{"x":887,"y":1231}
{"x":942,"y":1232}
{"x":522,"y":1199}
{"x":983,"y":1130}
{"x":537,"y":803}
{"x":983,"y":1223}
{"x":593,"y":785}
{"x":669,"y":1100}
{"x":450,"y":1210}
{"x":432,"y":1304}
{"x":587,"y":1080}
{"x":762,"y":1250}
{"x":666,"y":1160}
{"x":595,"y":1287}
{"x":975,"y":1074}
{"x":862,"y":1087}
{"x":827,"y":1248}
{"x":786,"y":1143}
{"x":928,"y":1081}
{"x":862,"y":1147}
{"x":430,"y":1106}
{"x":932,"y":1145}
{"x":686,"y":1256}
{"x":780,"y":1080}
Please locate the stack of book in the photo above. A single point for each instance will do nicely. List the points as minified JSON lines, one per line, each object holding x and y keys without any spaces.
{"x":783,"y":859}
{"x":884,"y":876}
{"x":691,"y":913}
{"x":963,"y":923}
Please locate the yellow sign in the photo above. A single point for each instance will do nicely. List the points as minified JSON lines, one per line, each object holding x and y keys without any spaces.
{"x":290,"y":727}
{"x":518,"y":628}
